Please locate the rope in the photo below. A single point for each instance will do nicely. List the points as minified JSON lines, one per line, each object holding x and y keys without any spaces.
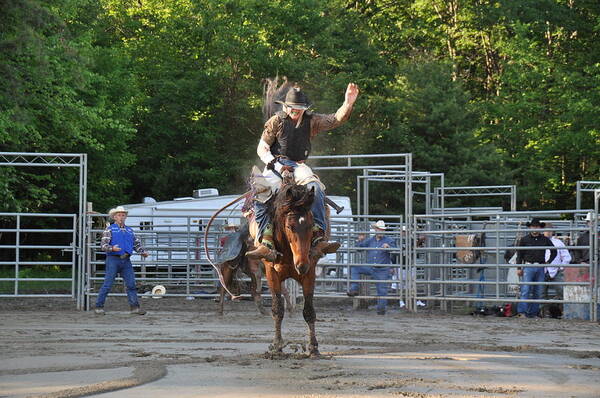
{"x":233,"y":297}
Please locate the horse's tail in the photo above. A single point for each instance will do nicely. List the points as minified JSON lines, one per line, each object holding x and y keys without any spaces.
{"x":219,"y":273}
{"x":272,"y":92}
{"x":231,"y":283}
{"x":237,"y":266}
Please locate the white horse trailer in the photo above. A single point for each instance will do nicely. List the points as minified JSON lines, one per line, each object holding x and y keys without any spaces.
{"x":173,"y":231}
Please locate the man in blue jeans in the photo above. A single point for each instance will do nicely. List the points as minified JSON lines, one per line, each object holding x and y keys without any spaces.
{"x":534,"y":260}
{"x":119,"y":242}
{"x":379,"y":241}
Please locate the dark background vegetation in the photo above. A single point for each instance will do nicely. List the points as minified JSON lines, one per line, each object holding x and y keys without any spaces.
{"x":165,"y":95}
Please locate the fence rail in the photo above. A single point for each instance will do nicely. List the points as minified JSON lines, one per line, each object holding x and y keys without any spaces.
{"x":487,"y":276}
{"x":25,"y":261}
{"x":427,"y":266}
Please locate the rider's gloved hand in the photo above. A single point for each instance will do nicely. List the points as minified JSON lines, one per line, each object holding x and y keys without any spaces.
{"x":271,"y":164}
{"x":275,"y":165}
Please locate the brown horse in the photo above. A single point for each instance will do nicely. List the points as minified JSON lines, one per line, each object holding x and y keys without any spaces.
{"x":293,"y":232}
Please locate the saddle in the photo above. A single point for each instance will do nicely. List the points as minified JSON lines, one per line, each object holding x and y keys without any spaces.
{"x":235,"y":246}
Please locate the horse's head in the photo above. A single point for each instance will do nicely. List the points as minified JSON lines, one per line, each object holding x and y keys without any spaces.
{"x":294,"y":222}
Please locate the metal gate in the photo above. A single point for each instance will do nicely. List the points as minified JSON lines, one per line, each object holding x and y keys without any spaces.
{"x":177,"y":260}
{"x":38,"y":255}
{"x":33,"y":273}
{"x":447,"y":280}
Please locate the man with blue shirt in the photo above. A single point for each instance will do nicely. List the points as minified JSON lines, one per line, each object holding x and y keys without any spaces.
{"x":119,"y":242}
{"x":378,"y":257}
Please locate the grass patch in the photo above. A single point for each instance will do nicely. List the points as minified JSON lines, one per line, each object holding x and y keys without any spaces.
{"x":36,"y":287}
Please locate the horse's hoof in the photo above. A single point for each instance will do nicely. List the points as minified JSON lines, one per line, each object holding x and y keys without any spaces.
{"x":315,"y":354}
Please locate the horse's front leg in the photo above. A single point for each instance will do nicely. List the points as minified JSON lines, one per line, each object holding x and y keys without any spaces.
{"x":308,"y":284}
{"x":277,"y":307}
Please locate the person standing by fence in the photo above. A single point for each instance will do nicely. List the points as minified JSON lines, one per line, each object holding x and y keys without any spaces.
{"x":379,"y":257}
{"x":119,"y":242}
{"x":554,"y":273}
{"x":533,"y":272}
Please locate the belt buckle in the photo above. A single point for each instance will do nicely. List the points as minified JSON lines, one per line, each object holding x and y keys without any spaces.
{"x":124,"y":256}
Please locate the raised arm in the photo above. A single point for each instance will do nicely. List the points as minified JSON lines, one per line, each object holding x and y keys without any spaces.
{"x":322,"y":122}
{"x":362,"y":241}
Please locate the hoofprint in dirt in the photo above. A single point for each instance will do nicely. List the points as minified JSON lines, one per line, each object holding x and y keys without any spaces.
{"x":185,"y":350}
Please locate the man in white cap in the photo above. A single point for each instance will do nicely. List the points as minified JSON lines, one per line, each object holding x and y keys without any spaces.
{"x":380,"y":255}
{"x":119,"y":242}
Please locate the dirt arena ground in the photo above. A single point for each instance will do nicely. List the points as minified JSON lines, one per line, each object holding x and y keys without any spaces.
{"x":182,"y":349}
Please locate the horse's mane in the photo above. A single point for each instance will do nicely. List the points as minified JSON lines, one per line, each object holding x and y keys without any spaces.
{"x":291,"y":198}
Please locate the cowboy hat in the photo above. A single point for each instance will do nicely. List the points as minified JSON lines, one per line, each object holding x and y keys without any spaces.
{"x":379,"y":225}
{"x":535,"y":222}
{"x":158,"y":291}
{"x":118,"y":209}
{"x":588,"y":216}
{"x":296,"y":99}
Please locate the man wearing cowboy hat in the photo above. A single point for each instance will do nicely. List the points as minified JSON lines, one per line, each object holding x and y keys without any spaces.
{"x":119,"y":242}
{"x":379,"y":256}
{"x":286,"y":141}
{"x":533,"y":258}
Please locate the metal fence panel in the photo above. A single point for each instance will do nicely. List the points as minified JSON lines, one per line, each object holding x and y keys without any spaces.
{"x":38,"y":255}
{"x":450,"y":279}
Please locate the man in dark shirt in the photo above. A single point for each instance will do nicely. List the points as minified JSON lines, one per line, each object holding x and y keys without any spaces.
{"x":532,"y":272}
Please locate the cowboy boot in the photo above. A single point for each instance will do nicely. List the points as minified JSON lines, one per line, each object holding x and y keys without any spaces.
{"x":266,"y":249}
{"x":321,"y":247}
{"x":262,"y":252}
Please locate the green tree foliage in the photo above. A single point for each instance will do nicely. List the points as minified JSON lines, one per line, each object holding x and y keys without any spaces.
{"x":62,"y":91}
{"x":165,"y":95}
{"x":531,"y":68}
